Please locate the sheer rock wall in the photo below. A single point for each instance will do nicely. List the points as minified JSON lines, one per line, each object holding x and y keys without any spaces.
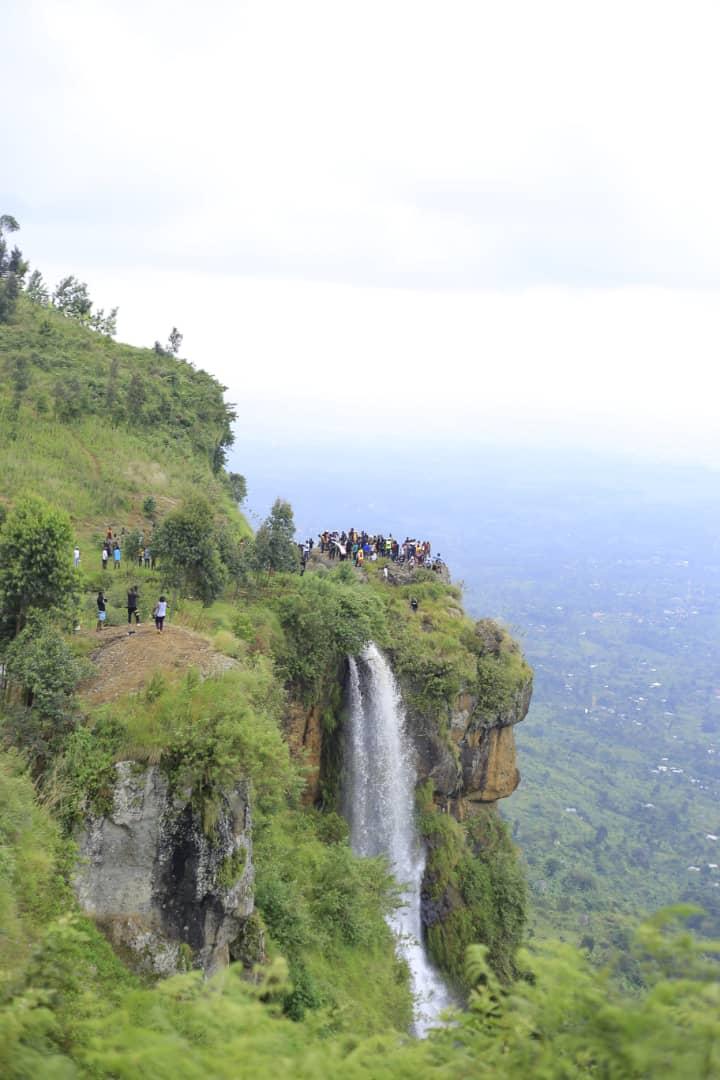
{"x":167,"y":894}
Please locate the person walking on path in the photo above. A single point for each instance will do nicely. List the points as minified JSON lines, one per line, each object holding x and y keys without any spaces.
{"x":76,"y":557}
{"x":101,"y":611}
{"x":104,"y":557}
{"x":132,"y":606}
{"x":117,"y":555}
{"x":160,"y":613}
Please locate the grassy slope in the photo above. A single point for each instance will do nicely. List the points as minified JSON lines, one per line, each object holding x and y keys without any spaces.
{"x":101,"y":464}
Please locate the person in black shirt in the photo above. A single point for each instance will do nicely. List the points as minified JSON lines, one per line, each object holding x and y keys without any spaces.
{"x":132,"y":605}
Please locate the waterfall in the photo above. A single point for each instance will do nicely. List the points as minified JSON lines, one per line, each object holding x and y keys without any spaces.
{"x":378,"y":798}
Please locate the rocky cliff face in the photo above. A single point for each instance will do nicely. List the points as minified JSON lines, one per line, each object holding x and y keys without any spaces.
{"x":470,"y":760}
{"x":474,"y":761}
{"x":304,"y":734}
{"x":167,"y":894}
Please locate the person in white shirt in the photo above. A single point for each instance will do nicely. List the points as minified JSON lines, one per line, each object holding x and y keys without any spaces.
{"x":160,"y":613}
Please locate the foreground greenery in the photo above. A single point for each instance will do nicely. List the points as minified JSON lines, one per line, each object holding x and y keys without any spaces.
{"x":68,"y":1008}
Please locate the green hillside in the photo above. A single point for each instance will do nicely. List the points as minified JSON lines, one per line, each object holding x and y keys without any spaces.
{"x":97,"y":427}
{"x":102,"y":436}
{"x":97,"y":435}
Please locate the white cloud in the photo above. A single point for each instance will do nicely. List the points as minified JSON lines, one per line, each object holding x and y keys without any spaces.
{"x":523,"y":175}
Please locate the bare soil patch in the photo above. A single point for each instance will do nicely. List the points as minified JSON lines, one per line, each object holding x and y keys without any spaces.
{"x":126,"y":662}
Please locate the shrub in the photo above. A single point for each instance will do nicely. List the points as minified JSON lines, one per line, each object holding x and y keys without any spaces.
{"x":83,"y":775}
{"x":33,"y":859}
{"x":210,"y":734}
{"x":36,"y":570}
{"x":42,"y":665}
{"x":324,"y":621}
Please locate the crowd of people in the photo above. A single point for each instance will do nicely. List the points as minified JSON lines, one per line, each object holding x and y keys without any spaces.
{"x":364,"y":546}
{"x":142,"y":556}
{"x":112,"y":550}
{"x":358,"y":546}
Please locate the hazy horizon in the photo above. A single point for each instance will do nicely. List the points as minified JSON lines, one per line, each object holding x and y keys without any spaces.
{"x":377,"y":486}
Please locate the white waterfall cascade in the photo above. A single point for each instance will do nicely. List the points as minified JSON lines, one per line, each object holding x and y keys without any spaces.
{"x":378,"y":797}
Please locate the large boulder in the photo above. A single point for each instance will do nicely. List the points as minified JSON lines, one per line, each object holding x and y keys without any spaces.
{"x":486,"y":743}
{"x":168,"y":893}
{"x":471,"y":756}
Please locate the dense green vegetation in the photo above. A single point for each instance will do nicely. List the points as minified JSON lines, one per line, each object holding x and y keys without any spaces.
{"x":71,"y":1009}
{"x":476,"y":883}
{"x":136,"y":439}
{"x":35,"y":572}
{"x":99,"y":427}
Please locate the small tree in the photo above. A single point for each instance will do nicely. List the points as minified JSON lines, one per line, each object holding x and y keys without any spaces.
{"x":238,"y":486}
{"x":175,"y":340}
{"x":37,"y":290}
{"x":133,"y":544}
{"x":72,"y":298}
{"x":111,"y":390}
{"x":44,"y":669}
{"x":102,"y":323}
{"x":20,"y":377}
{"x":149,"y":507}
{"x":174,"y":343}
{"x":187,"y":545}
{"x":36,"y":570}
{"x":12,"y":269}
{"x":70,"y":399}
{"x":275,"y":547}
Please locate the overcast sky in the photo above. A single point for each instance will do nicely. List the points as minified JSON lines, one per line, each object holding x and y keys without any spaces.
{"x":465,"y":218}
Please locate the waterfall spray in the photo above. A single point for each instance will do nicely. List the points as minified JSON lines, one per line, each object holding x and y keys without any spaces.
{"x":378,"y":796}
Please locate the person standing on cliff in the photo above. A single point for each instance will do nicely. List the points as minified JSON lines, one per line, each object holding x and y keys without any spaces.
{"x":160,"y":612}
{"x":132,"y":606}
{"x":101,"y":611}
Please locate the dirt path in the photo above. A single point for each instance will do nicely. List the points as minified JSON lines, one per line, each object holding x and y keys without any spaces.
{"x":126,"y":662}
